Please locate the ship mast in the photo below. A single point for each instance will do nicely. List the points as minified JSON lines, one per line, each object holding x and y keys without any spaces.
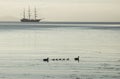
{"x":24,"y":14}
{"x":29,"y":13}
{"x":35,"y":12}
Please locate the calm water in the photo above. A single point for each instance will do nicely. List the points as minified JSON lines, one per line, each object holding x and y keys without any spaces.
{"x":24,"y":46}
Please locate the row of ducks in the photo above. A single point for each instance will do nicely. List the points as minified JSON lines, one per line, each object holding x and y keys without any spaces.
{"x":60,"y":59}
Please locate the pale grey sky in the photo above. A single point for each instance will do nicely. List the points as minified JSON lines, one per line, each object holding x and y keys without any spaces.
{"x":63,"y":10}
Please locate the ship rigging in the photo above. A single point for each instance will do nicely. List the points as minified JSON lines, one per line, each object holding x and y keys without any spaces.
{"x":24,"y":19}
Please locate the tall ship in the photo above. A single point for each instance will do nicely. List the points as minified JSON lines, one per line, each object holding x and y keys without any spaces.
{"x":29,"y":19}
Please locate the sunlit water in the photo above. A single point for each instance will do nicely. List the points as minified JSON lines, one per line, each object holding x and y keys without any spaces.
{"x":23,"y":47}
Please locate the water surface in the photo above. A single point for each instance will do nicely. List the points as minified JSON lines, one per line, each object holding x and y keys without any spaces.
{"x":23,"y":46}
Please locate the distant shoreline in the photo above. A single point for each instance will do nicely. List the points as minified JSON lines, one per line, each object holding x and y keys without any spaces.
{"x":84,"y":22}
{"x":51,"y":22}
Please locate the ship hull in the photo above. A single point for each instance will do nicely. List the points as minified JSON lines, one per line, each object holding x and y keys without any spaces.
{"x":31,"y":20}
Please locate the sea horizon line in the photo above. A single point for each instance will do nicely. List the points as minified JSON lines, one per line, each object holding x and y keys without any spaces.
{"x":63,"y":22}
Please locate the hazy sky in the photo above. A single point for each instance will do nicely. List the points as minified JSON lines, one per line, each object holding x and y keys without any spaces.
{"x":62,"y":10}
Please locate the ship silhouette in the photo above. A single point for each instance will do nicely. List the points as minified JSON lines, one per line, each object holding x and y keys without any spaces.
{"x":29,"y":19}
